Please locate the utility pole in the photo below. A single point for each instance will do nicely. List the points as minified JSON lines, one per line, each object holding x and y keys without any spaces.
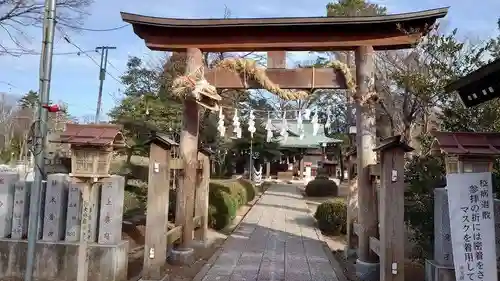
{"x":102,"y":75}
{"x":40,"y":133}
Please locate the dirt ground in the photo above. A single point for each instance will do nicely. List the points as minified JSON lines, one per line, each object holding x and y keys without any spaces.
{"x":135,"y":236}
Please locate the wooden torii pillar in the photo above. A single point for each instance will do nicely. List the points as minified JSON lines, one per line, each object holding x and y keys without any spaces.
{"x":189,"y":155}
{"x":368,"y":262}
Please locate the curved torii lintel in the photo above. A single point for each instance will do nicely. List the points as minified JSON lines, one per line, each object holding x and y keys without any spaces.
{"x":387,"y":32}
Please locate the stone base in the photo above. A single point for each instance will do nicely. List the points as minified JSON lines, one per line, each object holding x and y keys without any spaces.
{"x":349,"y":252}
{"x":367,"y":271}
{"x":57,"y":261}
{"x":200,"y":244}
{"x":165,"y":278}
{"x":181,"y":256}
{"x":436,"y":272}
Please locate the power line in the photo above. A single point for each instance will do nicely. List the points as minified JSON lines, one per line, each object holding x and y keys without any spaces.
{"x":66,"y":38}
{"x":92,"y":29}
{"x":27,"y":52}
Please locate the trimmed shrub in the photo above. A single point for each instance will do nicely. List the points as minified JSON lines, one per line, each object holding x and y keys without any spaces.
{"x":225,"y":197}
{"x":235,"y":189}
{"x":321,"y":187}
{"x":332,"y":216}
{"x":222,"y":207}
{"x":249,"y":188}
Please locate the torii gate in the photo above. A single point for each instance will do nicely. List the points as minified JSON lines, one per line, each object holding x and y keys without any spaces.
{"x":361,"y":34}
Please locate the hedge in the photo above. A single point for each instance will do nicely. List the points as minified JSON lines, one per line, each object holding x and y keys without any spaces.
{"x":332,"y":216}
{"x":225,"y":197}
{"x":321,"y":187}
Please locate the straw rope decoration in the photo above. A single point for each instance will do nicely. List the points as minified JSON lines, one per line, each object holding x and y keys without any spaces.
{"x":248,"y":68}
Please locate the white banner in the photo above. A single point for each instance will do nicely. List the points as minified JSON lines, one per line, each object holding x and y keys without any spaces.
{"x":470,"y":200}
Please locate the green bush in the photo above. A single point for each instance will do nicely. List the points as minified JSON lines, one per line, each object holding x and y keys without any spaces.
{"x":249,"y":188}
{"x":332,"y":216}
{"x":321,"y":187}
{"x":225,"y":197}
{"x":235,"y":189}
{"x":222,"y":207}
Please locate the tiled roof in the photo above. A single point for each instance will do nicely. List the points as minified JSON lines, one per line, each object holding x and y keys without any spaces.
{"x":309,"y":141}
{"x":466,"y":143}
{"x":92,"y":134}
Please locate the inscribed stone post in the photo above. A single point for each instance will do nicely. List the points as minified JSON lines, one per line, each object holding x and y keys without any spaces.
{"x":443,"y":252}
{"x":7,"y":186}
{"x":93,"y":214}
{"x":56,"y":196}
{"x":41,"y":212}
{"x":111,"y":212}
{"x":496,"y":209}
{"x":74,"y":218}
{"x":20,"y":214}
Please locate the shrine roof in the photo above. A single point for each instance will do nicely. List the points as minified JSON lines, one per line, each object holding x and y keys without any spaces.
{"x":92,"y":134}
{"x":292,"y":34}
{"x":467,"y":143}
{"x":478,"y":86}
{"x":309,"y":140}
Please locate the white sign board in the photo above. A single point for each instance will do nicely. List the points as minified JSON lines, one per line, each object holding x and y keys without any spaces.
{"x":472,"y":225}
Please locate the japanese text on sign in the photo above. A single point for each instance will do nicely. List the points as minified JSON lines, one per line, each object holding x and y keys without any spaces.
{"x":472,"y":226}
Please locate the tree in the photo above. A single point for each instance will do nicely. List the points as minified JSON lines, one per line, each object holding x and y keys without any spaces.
{"x":411,"y":83}
{"x":494,"y":43}
{"x":16,"y":15}
{"x":354,"y":8}
{"x":29,"y":100}
{"x":147,"y":102}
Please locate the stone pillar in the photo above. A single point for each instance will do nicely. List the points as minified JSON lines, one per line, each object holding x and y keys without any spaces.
{"x":7,"y":189}
{"x":56,"y":196}
{"x":21,"y":209}
{"x":301,"y":168}
{"x":496,"y":209}
{"x":111,"y":210}
{"x":443,"y":251}
{"x":74,"y":215}
{"x":93,"y":211}
{"x":268,"y":170}
{"x":201,"y":206}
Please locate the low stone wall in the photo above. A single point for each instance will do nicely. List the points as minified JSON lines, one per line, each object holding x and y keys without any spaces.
{"x":66,"y":220}
{"x":58,"y":261}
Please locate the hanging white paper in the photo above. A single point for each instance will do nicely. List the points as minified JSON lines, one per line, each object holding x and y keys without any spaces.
{"x":470,"y":201}
{"x":269,"y":130}
{"x":315,"y":123}
{"x":307,"y":114}
{"x":221,"y":128}
{"x":328,"y":121}
{"x":284,"y":127}
{"x":236,"y":124}
{"x":300,"y":125}
{"x":251,"y":123}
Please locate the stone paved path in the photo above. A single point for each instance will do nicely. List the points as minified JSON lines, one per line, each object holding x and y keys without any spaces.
{"x":276,"y":241}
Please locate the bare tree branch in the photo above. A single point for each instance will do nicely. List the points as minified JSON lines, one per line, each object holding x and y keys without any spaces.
{"x":17,"y":15}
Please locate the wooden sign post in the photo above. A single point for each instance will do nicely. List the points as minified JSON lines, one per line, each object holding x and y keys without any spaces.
{"x":391,"y":206}
{"x":155,"y":247}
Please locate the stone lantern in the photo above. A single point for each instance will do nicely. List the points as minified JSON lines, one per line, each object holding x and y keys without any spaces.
{"x":91,"y":148}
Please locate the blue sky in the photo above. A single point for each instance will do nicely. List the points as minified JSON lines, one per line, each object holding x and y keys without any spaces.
{"x":75,"y":78}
